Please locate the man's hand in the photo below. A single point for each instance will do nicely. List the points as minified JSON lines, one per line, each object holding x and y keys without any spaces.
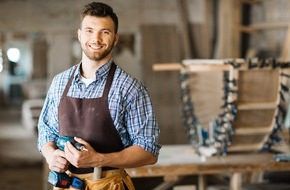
{"x":81,"y":159}
{"x":57,"y":161}
{"x":55,"y":158}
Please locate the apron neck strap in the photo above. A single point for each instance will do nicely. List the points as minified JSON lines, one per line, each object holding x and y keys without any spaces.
{"x":69,"y":82}
{"x":109,"y":81}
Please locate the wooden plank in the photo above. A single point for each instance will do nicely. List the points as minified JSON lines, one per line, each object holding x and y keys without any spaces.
{"x":256,"y":130}
{"x":232,"y":163}
{"x":205,"y":61}
{"x":189,"y":68}
{"x":252,"y":129}
{"x":251,"y":118}
{"x":258,"y":105}
{"x":236,"y":22}
{"x":184,"y":28}
{"x":223,"y":63}
{"x":40,"y":49}
{"x":286,"y":46}
{"x":206,"y":68}
{"x":236,"y":181}
{"x":251,"y":2}
{"x":263,"y":26}
{"x":167,"y":67}
{"x":257,"y":99}
{"x":206,"y":94}
{"x":246,"y":147}
{"x":229,"y":18}
{"x":207,"y":65}
{"x":201,"y":31}
{"x":258,"y":86}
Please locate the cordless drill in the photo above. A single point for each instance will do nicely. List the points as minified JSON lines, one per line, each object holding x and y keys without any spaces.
{"x":62,"y":180}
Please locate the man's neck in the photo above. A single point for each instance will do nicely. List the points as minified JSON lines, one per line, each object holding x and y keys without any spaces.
{"x":89,"y":67}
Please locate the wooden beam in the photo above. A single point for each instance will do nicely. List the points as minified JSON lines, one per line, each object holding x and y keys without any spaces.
{"x":196,"y":65}
{"x":228,"y":44}
{"x":207,"y":68}
{"x":184,"y":27}
{"x":263,"y":26}
{"x":210,"y":61}
{"x":167,"y":67}
{"x":251,"y":2}
{"x":286,"y":46}
{"x":236,"y":22}
{"x":190,"y":68}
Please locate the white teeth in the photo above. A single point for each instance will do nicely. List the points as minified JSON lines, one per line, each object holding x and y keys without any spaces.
{"x":95,"y":46}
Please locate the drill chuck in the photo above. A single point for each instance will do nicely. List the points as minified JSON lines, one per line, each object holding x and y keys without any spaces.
{"x":60,"y":143}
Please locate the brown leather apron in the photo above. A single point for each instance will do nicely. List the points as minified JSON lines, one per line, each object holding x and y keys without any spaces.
{"x":90,"y":120}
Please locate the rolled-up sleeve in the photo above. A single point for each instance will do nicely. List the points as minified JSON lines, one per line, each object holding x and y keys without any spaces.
{"x":141,"y":122}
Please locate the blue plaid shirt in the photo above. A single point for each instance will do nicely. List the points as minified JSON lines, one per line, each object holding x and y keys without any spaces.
{"x":129,"y":104}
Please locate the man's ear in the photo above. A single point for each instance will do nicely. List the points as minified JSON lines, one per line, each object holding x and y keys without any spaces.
{"x":116,"y":39}
{"x":79,"y":34}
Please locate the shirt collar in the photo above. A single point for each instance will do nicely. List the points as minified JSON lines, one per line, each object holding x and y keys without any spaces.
{"x":100,"y":73}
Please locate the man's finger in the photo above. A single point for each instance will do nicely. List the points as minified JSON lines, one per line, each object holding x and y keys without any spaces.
{"x":70,"y":149}
{"x":59,"y":152}
{"x":80,"y":140}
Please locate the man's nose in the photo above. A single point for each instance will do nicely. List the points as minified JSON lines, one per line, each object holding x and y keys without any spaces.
{"x":98,"y":37}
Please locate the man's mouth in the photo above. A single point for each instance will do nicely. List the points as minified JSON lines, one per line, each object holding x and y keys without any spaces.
{"x":95,"y":46}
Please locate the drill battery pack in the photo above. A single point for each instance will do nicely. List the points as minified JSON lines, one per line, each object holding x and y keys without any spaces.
{"x":59,"y":179}
{"x":62,"y":180}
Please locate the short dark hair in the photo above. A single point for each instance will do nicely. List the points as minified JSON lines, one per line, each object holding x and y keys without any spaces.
{"x":99,"y":9}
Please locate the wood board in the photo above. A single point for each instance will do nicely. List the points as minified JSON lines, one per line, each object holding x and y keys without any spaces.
{"x":257,"y":100}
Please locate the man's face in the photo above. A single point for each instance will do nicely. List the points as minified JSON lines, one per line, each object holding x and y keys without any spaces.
{"x":97,"y":37}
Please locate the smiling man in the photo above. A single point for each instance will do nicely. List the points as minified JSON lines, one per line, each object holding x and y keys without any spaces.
{"x":102,"y":107}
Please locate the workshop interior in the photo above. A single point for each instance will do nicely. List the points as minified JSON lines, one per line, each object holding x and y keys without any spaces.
{"x":217,"y":71}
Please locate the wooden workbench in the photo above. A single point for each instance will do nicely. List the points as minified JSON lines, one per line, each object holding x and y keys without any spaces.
{"x":176,"y":161}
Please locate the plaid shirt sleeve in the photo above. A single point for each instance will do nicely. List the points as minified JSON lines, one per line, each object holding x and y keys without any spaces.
{"x":48,"y":122}
{"x":141,"y":122}
{"x":133,"y":115}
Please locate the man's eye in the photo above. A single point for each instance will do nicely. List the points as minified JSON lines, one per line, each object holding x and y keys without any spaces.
{"x":106,"y":32}
{"x":89,"y":31}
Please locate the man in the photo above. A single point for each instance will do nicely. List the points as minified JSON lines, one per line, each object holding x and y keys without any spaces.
{"x":104,"y":108}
